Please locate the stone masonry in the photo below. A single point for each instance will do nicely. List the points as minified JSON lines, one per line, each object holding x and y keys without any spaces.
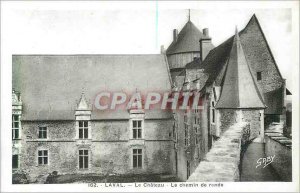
{"x":221,"y":163}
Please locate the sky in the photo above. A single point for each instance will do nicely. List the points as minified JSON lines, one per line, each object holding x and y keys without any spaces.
{"x":137,"y":28}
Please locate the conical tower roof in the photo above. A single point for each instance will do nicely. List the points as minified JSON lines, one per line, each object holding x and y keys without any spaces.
{"x":187,"y":41}
{"x":239,"y":88}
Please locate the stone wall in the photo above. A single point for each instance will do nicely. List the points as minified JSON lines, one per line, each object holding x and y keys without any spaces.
{"x":253,"y":117}
{"x":260,"y":57}
{"x":110,"y":147}
{"x":221,"y":163}
{"x":280,"y":146}
{"x":197,"y":132}
{"x":228,"y":117}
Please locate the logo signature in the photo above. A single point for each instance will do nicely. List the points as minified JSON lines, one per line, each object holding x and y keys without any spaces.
{"x":265,"y":161}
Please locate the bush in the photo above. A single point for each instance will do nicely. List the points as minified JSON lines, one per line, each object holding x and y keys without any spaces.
{"x":51,"y":178}
{"x":20,"y":178}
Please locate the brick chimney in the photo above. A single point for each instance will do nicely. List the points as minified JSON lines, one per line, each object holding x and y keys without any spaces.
{"x":205,"y":44}
{"x":205,"y":32}
{"x":175,"y":35}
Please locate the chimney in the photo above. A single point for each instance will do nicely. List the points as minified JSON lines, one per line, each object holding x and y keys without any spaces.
{"x":162,"y":49}
{"x":205,"y":44}
{"x":175,"y":35}
{"x":205,"y":32}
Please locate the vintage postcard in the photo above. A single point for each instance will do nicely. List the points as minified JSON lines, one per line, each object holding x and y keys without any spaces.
{"x":198,"y":96}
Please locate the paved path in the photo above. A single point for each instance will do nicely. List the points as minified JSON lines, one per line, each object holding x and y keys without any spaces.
{"x":249,"y":172}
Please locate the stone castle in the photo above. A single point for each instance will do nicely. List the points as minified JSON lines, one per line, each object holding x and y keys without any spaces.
{"x":55,"y":126}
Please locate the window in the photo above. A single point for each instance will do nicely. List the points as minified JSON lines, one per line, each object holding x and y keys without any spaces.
{"x":185,"y":118}
{"x":42,"y":132}
{"x":43,"y":157}
{"x":137,"y":129}
{"x":186,"y":135}
{"x":196,"y":140}
{"x":198,"y":120}
{"x":258,"y":75}
{"x":188,"y":172}
{"x":15,"y":126}
{"x":137,"y":158}
{"x":83,"y":159}
{"x":15,"y":161}
{"x":195,"y":119}
{"x":174,"y":131}
{"x":213,"y":112}
{"x":83,"y":130}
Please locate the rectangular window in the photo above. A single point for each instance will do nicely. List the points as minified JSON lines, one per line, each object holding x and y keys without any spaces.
{"x":196,"y":110}
{"x":188,"y":171}
{"x":174,"y":131}
{"x":195,"y":119}
{"x":185,"y":118}
{"x":213,"y":112}
{"x":137,"y":158}
{"x":186,"y":135}
{"x":15,"y":127}
{"x":196,"y":140}
{"x":258,"y":75}
{"x":15,"y":161}
{"x":137,"y":129}
{"x":83,"y":159}
{"x":43,"y":157}
{"x":83,"y":130}
{"x":42,"y":132}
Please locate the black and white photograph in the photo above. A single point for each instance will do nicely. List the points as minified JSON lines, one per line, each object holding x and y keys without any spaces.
{"x":149,"y":96}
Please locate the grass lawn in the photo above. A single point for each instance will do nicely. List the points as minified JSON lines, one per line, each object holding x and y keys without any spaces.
{"x":128,"y":178}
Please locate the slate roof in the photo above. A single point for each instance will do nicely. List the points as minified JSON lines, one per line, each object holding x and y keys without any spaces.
{"x":239,"y":89}
{"x":195,"y":64}
{"x":51,"y":85}
{"x":216,"y":61}
{"x":187,"y":41}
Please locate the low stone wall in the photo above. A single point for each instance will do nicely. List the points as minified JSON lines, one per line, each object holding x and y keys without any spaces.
{"x":280,"y":146}
{"x":221,"y":163}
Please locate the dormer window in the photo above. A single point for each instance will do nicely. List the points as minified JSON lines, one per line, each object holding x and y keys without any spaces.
{"x":83,"y":117}
{"x":83,"y":129}
{"x":136,"y":124}
{"x":15,"y":126}
{"x":137,"y":129}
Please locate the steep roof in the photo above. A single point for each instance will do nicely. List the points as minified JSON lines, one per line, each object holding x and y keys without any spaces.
{"x":187,"y":41}
{"x":239,"y":89}
{"x":259,"y":57}
{"x":51,"y":85}
{"x":195,"y":64}
{"x":216,"y":59}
